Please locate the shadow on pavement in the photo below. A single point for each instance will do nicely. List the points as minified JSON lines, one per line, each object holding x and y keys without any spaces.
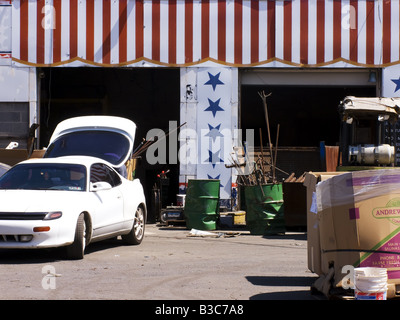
{"x":283,"y":281}
{"x":285,"y":295}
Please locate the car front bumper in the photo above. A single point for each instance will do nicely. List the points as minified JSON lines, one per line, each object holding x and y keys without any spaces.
{"x":33,"y":234}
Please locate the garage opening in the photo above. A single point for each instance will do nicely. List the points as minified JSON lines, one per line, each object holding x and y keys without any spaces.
{"x":149,"y":97}
{"x":307,"y":115}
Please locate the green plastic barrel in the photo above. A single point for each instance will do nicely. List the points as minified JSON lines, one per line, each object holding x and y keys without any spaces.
{"x":202,"y":204}
{"x":264,"y":209}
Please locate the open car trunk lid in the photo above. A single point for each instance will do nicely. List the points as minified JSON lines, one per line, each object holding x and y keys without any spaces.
{"x":107,"y":137}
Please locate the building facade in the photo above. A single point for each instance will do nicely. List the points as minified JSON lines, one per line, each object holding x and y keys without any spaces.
{"x":197,"y":63}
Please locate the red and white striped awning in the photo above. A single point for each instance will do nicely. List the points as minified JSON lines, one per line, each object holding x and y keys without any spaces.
{"x":303,"y":33}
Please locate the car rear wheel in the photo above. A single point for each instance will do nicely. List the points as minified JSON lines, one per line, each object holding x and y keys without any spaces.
{"x":76,"y":250}
{"x":135,"y":236}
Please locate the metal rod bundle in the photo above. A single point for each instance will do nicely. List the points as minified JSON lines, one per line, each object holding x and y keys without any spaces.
{"x":263,"y":169}
{"x":145,"y":144}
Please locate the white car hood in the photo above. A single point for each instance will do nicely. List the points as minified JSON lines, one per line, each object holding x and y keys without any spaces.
{"x":38,"y":200}
{"x":97,"y":125}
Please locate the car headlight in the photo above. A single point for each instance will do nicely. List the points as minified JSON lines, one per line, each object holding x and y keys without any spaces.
{"x":53,"y":215}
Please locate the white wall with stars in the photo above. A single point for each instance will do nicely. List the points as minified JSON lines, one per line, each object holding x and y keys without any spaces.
{"x":209,"y":106}
{"x":391,"y":81}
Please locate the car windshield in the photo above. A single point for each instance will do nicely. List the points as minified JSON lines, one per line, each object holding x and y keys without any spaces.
{"x":45,"y":176}
{"x":107,"y":145}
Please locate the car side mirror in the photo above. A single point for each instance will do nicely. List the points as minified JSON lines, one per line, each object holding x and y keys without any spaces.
{"x":101,"y":185}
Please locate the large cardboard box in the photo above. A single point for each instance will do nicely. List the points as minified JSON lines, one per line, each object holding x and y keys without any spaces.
{"x":313,"y":233}
{"x":359,"y":223}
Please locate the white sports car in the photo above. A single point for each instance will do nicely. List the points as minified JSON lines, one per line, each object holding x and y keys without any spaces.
{"x":75,"y":194}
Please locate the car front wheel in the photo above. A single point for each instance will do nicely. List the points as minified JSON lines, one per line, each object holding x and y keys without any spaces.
{"x":76,"y":250}
{"x":135,"y":236}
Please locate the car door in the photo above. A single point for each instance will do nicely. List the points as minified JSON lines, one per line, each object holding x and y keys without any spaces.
{"x":108,"y":216}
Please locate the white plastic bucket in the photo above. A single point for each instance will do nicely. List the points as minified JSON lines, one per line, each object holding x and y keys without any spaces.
{"x":370,"y":283}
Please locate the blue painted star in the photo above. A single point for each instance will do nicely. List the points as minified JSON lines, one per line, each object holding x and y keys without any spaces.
{"x":214,"y":132}
{"x":397,"y":82}
{"x":214,"y":80}
{"x":213,"y":158}
{"x":214,"y":106}
{"x":216,"y":178}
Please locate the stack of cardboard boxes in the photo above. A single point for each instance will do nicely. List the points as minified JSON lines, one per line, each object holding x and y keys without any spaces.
{"x":353,"y":219}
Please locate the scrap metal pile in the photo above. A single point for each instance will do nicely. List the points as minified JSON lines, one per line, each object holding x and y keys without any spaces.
{"x":257,"y":169}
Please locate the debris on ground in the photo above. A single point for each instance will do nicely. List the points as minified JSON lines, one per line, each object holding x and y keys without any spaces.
{"x":202,"y":233}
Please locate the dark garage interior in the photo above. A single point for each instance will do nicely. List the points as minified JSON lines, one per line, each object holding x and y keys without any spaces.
{"x":306,"y":116}
{"x":147,"y":96}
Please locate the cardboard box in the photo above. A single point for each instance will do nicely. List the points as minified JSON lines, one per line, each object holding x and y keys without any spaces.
{"x":14,"y":156}
{"x":359,"y":223}
{"x":313,"y":234}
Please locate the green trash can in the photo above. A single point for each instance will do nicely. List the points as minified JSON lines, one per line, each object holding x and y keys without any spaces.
{"x":264,"y":209}
{"x":202,"y":204}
